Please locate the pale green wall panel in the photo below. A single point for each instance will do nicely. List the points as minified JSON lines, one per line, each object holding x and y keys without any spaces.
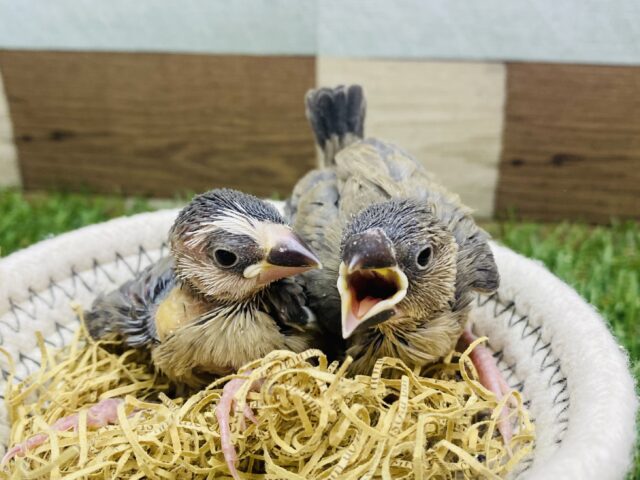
{"x":202,"y":26}
{"x":584,"y":31}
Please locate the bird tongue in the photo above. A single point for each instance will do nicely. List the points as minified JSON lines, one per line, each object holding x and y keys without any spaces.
{"x":365,"y":305}
{"x":357,"y":311}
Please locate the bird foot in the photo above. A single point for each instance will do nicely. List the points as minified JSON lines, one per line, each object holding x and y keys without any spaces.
{"x":492,"y":379}
{"x":99,"y":415}
{"x":223,"y":412}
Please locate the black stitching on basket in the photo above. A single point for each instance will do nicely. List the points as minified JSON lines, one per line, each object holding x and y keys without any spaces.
{"x":555,"y":372}
{"x":511,"y":374}
{"x":547,"y":347}
{"x":14,"y":309}
{"x":561,"y":398}
{"x":22,"y":357}
{"x":510,"y":306}
{"x":120,"y":259}
{"x":33,"y":294}
{"x":59,"y":328}
{"x":142,"y":252}
{"x":526,"y":464}
{"x":97,"y":266}
{"x":523,"y":318}
{"x":76,"y":276}
{"x":564,"y":389}
{"x":544,"y":360}
{"x":538,"y":340}
{"x":486,"y":299}
{"x":533,"y":331}
{"x":518,"y":386}
{"x":53,"y":285}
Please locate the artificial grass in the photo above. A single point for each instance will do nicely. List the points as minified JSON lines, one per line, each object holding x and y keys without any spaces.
{"x":28,"y":219}
{"x":602,"y":263}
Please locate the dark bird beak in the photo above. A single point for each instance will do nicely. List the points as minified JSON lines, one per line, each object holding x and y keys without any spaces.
{"x":370,"y":281}
{"x":286,"y":255}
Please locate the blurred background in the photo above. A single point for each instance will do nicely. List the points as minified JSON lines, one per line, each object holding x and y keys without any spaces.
{"x":530,"y":110}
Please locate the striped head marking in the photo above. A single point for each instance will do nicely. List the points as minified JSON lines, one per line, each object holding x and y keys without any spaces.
{"x":228,"y":245}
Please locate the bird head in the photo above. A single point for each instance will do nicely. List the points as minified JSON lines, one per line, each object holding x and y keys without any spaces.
{"x":228,"y":245}
{"x":397,"y":261}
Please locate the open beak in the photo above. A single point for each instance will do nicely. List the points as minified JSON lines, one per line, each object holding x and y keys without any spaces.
{"x":287,"y":255}
{"x":370,"y":281}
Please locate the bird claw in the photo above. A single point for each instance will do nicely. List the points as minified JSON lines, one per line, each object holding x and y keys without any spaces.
{"x":99,"y":415}
{"x":492,"y":379}
{"x":223,"y":411}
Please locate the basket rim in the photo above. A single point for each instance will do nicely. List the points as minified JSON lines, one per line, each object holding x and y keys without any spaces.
{"x":599,"y":440}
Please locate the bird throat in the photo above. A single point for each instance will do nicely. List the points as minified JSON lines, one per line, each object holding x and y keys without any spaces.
{"x":179,"y":308}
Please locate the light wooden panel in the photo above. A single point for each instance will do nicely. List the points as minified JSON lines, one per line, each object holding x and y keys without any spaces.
{"x":572,"y":142}
{"x":159,"y":123}
{"x":9,"y":172}
{"x":447,"y":114}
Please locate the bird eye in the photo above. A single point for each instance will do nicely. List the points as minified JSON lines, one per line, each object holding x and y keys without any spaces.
{"x":423,"y":257}
{"x":225,"y":258}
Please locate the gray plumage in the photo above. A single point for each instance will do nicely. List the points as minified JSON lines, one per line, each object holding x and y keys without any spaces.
{"x":337,"y":118}
{"x":373,"y":186}
{"x":201,"y":318}
{"x":129,"y":311}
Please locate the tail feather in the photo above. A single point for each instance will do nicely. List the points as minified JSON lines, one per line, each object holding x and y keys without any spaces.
{"x":337,"y":118}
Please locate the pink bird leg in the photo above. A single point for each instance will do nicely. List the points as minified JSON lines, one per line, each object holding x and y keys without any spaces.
{"x":491,"y":378}
{"x":99,"y":415}
{"x":223,"y":411}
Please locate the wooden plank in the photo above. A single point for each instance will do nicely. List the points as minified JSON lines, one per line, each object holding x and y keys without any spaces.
{"x":446,"y":114}
{"x":9,"y":172}
{"x":571,"y":143}
{"x":141,"y":123}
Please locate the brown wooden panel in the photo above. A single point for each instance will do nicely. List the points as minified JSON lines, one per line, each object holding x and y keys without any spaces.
{"x":571,"y":146}
{"x":159,"y":123}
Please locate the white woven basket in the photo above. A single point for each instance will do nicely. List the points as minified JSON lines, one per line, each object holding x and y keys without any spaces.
{"x":550,"y":343}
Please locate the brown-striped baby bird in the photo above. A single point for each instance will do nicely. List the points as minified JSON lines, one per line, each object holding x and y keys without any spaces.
{"x":403,"y":257}
{"x":223,"y":297}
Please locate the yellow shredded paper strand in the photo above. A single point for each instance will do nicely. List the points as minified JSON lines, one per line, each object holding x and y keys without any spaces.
{"x":315,"y":422}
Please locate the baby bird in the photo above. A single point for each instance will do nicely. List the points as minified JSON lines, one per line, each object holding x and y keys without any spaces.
{"x":222,"y":298}
{"x":402,"y":255}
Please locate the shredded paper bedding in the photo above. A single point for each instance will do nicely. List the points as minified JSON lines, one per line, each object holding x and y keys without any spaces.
{"x":314,"y":421}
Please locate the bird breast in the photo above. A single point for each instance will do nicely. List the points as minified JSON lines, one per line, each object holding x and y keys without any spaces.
{"x":175,"y":311}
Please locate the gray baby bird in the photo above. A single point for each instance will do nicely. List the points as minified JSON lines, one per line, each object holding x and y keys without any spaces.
{"x":402,"y":256}
{"x":223,"y":297}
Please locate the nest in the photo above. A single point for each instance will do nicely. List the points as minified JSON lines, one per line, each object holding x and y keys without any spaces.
{"x":314,"y":422}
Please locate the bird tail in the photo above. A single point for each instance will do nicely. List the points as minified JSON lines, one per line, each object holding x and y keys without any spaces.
{"x":336,"y":116}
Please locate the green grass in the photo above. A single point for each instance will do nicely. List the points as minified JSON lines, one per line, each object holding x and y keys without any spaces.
{"x":28,"y":219}
{"x":601,"y":263}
